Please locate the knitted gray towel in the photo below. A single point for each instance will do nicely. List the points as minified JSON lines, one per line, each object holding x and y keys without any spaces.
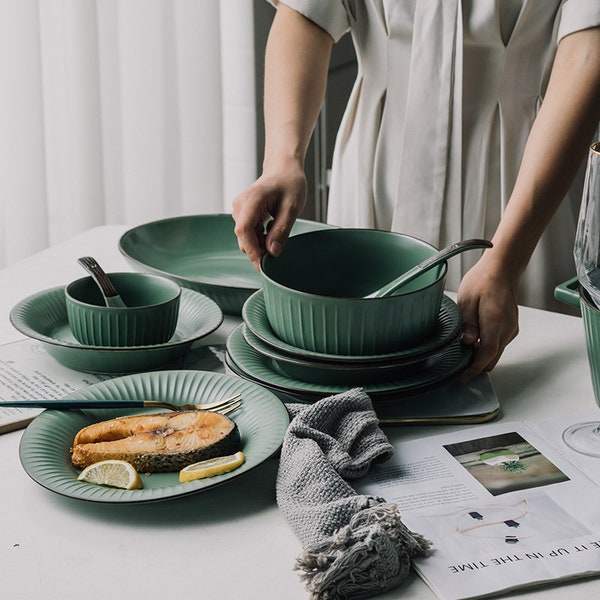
{"x":354,"y":546}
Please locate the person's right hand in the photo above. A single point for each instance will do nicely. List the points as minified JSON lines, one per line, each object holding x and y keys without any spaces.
{"x":274,"y":200}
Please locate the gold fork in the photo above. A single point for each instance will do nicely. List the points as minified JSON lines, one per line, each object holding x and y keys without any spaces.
{"x":223,"y":406}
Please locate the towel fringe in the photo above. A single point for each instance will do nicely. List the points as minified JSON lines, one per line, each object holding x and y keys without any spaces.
{"x":368,"y":556}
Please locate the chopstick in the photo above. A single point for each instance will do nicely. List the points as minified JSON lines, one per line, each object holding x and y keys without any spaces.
{"x":65,"y":404}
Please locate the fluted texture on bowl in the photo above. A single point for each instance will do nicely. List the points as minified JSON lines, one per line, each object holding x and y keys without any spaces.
{"x":315,"y":292}
{"x":356,"y":327}
{"x":124,"y":327}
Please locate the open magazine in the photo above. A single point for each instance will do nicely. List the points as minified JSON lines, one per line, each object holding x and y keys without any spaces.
{"x":27,"y":372}
{"x":503,"y":504}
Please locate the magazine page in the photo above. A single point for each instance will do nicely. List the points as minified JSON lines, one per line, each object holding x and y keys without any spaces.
{"x":27,"y":372}
{"x":502,"y":508}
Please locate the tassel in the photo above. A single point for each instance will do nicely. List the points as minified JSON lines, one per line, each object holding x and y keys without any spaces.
{"x":368,"y":556}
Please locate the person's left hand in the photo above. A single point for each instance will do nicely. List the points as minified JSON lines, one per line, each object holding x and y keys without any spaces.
{"x":487,"y":299}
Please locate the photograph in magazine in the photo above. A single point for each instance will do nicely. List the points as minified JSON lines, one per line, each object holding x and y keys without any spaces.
{"x":505,"y":463}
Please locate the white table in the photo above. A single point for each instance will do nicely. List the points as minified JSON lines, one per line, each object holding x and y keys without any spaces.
{"x":230,"y":542}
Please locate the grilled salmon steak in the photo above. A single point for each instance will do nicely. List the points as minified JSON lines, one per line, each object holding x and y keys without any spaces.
{"x":156,"y":443}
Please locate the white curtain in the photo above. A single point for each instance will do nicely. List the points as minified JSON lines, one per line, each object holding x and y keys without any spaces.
{"x":121,"y":111}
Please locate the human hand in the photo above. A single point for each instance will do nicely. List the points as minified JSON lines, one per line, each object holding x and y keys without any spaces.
{"x":487,"y":299}
{"x":265,"y":212}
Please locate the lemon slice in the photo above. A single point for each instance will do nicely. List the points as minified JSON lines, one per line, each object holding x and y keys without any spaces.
{"x":212,"y":466}
{"x":113,"y":473}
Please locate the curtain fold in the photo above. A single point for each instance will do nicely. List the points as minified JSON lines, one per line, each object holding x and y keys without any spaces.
{"x":121,"y":112}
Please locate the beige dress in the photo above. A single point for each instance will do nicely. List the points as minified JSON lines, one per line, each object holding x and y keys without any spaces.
{"x":435,"y":127}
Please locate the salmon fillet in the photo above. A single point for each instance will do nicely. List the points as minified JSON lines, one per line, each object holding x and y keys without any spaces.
{"x":156,"y":443}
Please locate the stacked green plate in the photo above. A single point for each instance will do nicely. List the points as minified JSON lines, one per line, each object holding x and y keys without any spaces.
{"x":257,"y":354}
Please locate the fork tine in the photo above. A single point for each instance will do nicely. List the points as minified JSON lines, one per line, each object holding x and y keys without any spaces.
{"x":228,"y":409}
{"x":212,"y":405}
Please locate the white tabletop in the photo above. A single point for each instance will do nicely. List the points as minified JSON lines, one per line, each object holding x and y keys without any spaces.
{"x":231,"y":541}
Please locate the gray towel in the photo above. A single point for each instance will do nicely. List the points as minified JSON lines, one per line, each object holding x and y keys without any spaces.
{"x":354,"y":546}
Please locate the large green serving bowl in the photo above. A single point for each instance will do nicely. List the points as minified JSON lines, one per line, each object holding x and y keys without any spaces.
{"x":314,"y":292}
{"x":199,"y":252}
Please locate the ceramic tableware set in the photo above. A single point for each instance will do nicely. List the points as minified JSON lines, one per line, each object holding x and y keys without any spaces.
{"x":152,"y":326}
{"x":311,"y":330}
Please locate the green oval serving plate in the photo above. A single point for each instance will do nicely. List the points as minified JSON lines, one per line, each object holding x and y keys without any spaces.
{"x":44,"y":448}
{"x":254,"y":314}
{"x":43,"y":316}
{"x":199,"y":252}
{"x":442,"y":368}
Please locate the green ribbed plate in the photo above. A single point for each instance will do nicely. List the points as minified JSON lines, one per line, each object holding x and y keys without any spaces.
{"x":44,"y":450}
{"x":443,"y":367}
{"x":254,"y":313}
{"x":43,"y":317}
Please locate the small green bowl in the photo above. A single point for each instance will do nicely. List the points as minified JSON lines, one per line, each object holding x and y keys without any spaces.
{"x":314,"y":292}
{"x":149,"y":317}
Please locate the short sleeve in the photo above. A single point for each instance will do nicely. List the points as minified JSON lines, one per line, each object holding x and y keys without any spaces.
{"x":578,"y":14}
{"x":330,"y":15}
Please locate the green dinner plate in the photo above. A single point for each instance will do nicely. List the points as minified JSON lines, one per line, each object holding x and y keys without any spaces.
{"x":44,"y":449}
{"x":441,"y":368}
{"x":43,"y":316}
{"x":332,"y":372}
{"x":453,"y":402}
{"x":254,"y":314}
{"x":199,"y":252}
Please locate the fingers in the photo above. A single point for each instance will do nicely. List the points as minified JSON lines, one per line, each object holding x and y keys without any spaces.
{"x":469,"y":332}
{"x":265,"y":213}
{"x":249,"y":230}
{"x":279,"y":231}
{"x":489,"y":333}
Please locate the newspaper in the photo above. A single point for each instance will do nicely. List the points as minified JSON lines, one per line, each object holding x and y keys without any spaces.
{"x":504,"y":505}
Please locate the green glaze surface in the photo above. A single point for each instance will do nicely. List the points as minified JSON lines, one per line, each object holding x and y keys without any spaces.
{"x":333,"y":373}
{"x":251,"y":364}
{"x":149,"y":316}
{"x":314,"y":292}
{"x":44,"y":449}
{"x":254,"y":314}
{"x":43,"y":316}
{"x":199,"y":252}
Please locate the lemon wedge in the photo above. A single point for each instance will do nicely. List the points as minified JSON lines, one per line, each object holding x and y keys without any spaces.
{"x":212,"y":466}
{"x":113,"y":473}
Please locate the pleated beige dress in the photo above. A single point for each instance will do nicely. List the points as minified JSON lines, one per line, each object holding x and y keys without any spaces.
{"x":434,"y":131}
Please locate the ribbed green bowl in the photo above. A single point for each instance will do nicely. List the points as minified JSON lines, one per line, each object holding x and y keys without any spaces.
{"x":149,"y":317}
{"x":314,"y":292}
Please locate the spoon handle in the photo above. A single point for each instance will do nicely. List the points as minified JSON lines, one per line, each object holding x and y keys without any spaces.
{"x":111,"y":296}
{"x":436,"y":259}
{"x":453,"y":250}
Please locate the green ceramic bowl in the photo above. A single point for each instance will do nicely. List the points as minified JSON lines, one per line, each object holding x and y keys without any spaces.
{"x":314,"y":292}
{"x":199,"y":252}
{"x":149,"y":317}
{"x":43,"y":317}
